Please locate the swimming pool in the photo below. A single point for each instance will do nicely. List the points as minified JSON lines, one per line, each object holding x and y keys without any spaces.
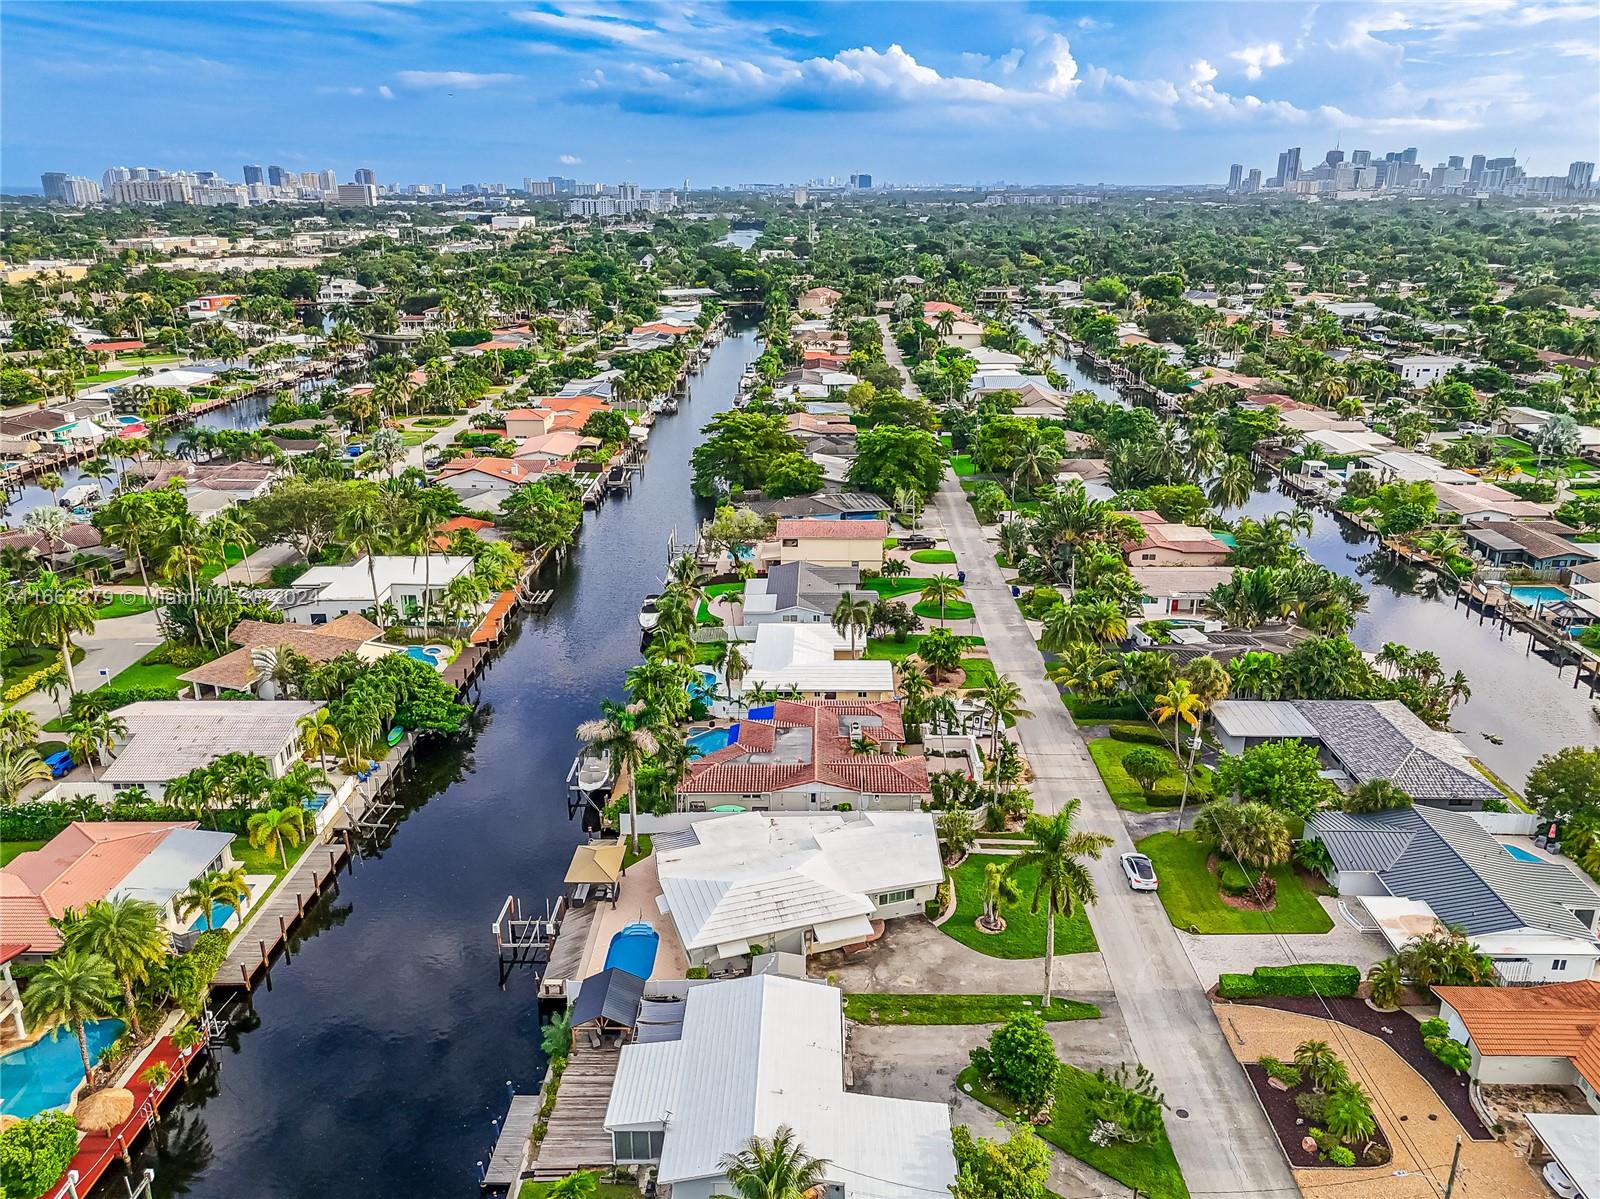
{"x":703,"y":688}
{"x":708,"y":741}
{"x":1522,"y":855}
{"x":431,"y":655}
{"x":1533,"y":596}
{"x":46,"y":1073}
{"x":220,"y":913}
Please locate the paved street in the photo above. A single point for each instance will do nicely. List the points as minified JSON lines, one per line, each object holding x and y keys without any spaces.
{"x":1222,"y":1140}
{"x":114,"y":646}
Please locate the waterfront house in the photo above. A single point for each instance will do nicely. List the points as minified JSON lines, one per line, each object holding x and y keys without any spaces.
{"x":93,"y":860}
{"x":794,"y":756}
{"x":557,"y":446}
{"x":1361,"y":740}
{"x":166,"y":738}
{"x":800,"y":883}
{"x":1171,"y":543}
{"x":1402,"y":466}
{"x":249,"y":667}
{"x":1545,"y":1036}
{"x":482,"y":483}
{"x":831,"y":542}
{"x":799,"y":593}
{"x":1486,"y":502}
{"x":825,"y":505}
{"x":812,"y":661}
{"x":325,"y":593}
{"x":754,"y":1055}
{"x":1419,"y":370}
{"x":1416,"y":869}
{"x":1167,"y":591}
{"x":1538,"y":545}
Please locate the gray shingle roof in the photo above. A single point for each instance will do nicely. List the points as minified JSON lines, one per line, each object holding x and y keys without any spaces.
{"x":1451,"y":863}
{"x":1384,"y":739}
{"x":815,"y":587}
{"x":612,"y":995}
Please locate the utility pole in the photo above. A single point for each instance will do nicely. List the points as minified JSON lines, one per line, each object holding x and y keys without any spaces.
{"x":1455,"y":1162}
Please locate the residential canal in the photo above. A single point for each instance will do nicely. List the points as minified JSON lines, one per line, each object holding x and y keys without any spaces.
{"x":1517,"y":696}
{"x":379,"y":1057}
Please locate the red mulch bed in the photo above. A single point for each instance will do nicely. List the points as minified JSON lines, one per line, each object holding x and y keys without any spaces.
{"x":1402,"y":1034}
{"x":1284,"y":1115}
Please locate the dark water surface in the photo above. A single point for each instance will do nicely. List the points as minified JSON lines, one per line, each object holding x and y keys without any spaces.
{"x":375,"y":1064}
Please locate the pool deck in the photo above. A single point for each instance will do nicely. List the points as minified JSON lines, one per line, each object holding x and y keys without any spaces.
{"x":636,"y":903}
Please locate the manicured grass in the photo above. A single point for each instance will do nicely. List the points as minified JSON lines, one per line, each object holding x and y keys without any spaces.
{"x":958,"y":1009}
{"x":150,"y":674}
{"x":432,"y":422}
{"x":706,"y":653}
{"x":1127,"y":794}
{"x":212,"y":569}
{"x":1527,"y":457}
{"x":962,"y":465}
{"x":955,"y":609}
{"x":1024,"y":934}
{"x":887,"y":649}
{"x":261,"y":861}
{"x":122,"y":604}
{"x":1191,"y":898}
{"x":980,"y":672}
{"x":889,"y":588}
{"x":415,"y":437}
{"x":10,"y":849}
{"x":1150,"y":1169}
{"x":711,"y":591}
{"x":934,"y":557}
{"x":629,"y":857}
{"x":604,"y":1190}
{"x":104,"y":377}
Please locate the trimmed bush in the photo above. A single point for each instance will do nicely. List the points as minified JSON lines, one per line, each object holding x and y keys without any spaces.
{"x":1143,"y":734}
{"x":1313,"y":978}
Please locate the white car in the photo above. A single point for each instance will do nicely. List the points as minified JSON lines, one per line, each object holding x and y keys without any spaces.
{"x":1556,"y":1179}
{"x":1140,"y":871}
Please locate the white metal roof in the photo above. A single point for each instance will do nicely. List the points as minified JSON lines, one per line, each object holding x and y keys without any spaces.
{"x":351,"y":582}
{"x":168,"y":738}
{"x":802,"y":655}
{"x":1260,"y":718}
{"x":765,"y":1051}
{"x":1571,"y":1140}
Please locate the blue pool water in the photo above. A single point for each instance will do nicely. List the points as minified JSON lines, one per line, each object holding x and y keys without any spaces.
{"x":708,"y":741}
{"x":45,"y":1074}
{"x":219,"y":916}
{"x":431,"y":655}
{"x":1522,"y":855}
{"x":703,"y":688}
{"x":1538,"y":595}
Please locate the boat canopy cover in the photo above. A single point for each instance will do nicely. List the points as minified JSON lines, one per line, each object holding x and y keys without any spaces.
{"x":598,"y":862}
{"x":763,"y":713}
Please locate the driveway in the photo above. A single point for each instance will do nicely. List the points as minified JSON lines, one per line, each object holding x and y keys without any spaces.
{"x":114,"y":646}
{"x":1214,"y":955}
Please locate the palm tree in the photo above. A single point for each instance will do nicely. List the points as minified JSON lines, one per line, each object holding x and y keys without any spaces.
{"x":852,"y":615}
{"x":1319,"y":1063}
{"x":71,"y":987}
{"x":775,"y":1169}
{"x":1057,"y":852}
{"x":998,"y":888}
{"x":319,"y":735}
{"x":623,"y":732}
{"x":1233,"y":483}
{"x":93,"y":737}
{"x":206,"y":893}
{"x":941,"y":589}
{"x":1001,"y":699}
{"x":231,"y":526}
{"x":1376,"y":795}
{"x":52,"y":610}
{"x":1348,"y":1113}
{"x":126,"y":933}
{"x":277,"y":829}
{"x":1180,"y":705}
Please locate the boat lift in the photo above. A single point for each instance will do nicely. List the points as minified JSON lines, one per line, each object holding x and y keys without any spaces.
{"x":520,"y":939}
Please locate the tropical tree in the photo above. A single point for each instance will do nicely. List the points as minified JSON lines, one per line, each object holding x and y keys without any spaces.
{"x":852,"y":615}
{"x":71,"y":987}
{"x":93,"y":736}
{"x":942,"y":589}
{"x":19,"y":766}
{"x":775,"y":1169}
{"x":1001,"y":701}
{"x":999,"y":888}
{"x":1058,"y":853}
{"x":126,"y":934}
{"x":1375,"y":795}
{"x":1319,"y":1064}
{"x":278,"y":828}
{"x":1179,"y":704}
{"x":51,"y":610}
{"x":622,"y":730}
{"x":320,"y":735}
{"x":1348,"y":1113}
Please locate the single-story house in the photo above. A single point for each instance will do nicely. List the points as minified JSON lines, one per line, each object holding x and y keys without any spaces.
{"x":1419,"y":370}
{"x":825,"y":505}
{"x":482,"y":483}
{"x":324,"y":593}
{"x":754,"y":1055}
{"x":93,"y":860}
{"x":799,"y":883}
{"x":167,"y":738}
{"x":1402,"y":466}
{"x":249,"y":667}
{"x":554,"y":447}
{"x":1530,"y":1036}
{"x":832,"y":542}
{"x":1170,"y":543}
{"x":812,"y":661}
{"x":797,"y":756}
{"x":820,"y":300}
{"x":1361,"y":740}
{"x":799,"y":593}
{"x":1415,"y":869}
{"x":1177,"y":590}
{"x":1540,"y":545}
{"x":1486,"y":502}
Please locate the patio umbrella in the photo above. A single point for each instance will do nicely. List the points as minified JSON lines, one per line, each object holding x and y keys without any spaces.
{"x":104,"y":1110}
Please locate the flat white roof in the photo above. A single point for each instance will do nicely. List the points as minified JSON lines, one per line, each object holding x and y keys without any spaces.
{"x":802,"y":655}
{"x":1260,"y":718}
{"x":168,"y":738}
{"x":351,"y":582}
{"x":1571,"y":1140}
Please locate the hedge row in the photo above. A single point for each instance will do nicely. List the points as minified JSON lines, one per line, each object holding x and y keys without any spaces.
{"x":1313,"y":978}
{"x":43,"y":819}
{"x":1144,"y":734}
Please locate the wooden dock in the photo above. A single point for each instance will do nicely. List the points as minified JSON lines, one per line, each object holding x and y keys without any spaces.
{"x":513,"y":1146}
{"x":576,"y":1138}
{"x":566,"y":957}
{"x":266,"y":930}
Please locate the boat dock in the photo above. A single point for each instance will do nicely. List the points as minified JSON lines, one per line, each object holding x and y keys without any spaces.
{"x":267,"y":929}
{"x":575,"y":1136}
{"x":513,"y":1146}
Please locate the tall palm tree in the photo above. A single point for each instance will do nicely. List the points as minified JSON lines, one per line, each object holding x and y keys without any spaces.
{"x":93,"y":737}
{"x":852,"y":615}
{"x":1058,"y":853}
{"x":71,"y":987}
{"x":319,"y":735}
{"x":1180,"y":705}
{"x":52,"y":610}
{"x":1001,"y":700}
{"x":277,"y":829}
{"x":126,"y":933}
{"x":231,"y":526}
{"x":623,"y":732}
{"x":941,"y":589}
{"x":998,"y":888}
{"x":775,"y":1169}
{"x":1233,"y":483}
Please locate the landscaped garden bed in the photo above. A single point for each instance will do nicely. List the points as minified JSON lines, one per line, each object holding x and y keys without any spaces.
{"x":1191,"y":892}
{"x":1293,"y":1128}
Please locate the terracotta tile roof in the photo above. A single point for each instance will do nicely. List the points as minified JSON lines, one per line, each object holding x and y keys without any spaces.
{"x":114,"y":347}
{"x":1555,"y":1020}
{"x":79,"y":865}
{"x":1161,"y":533}
{"x":500,"y":468}
{"x":237,"y":670}
{"x":666,"y":327}
{"x":833,"y":530}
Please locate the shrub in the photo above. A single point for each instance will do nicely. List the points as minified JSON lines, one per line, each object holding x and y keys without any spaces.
{"x":1312,"y":1106}
{"x":34,"y":1154}
{"x":1310,"y":978}
{"x":1021,"y":1060}
{"x":1340,"y":1156}
{"x":1377,"y":1154}
{"x":1144,"y":734}
{"x":1147,"y":766}
{"x":1128,"y":1107}
{"x":1283,"y":1071}
{"x":1433,"y":1028}
{"x":176,"y":654}
{"x":1452,"y":1053}
{"x":695,"y":972}
{"x":107,"y":699}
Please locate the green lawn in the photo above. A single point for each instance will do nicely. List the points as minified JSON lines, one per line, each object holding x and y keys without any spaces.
{"x":235,"y":555}
{"x":104,"y":377}
{"x":150,"y":674}
{"x":889,"y":588}
{"x":1190,"y":895}
{"x":1150,"y":1170}
{"x":1525,"y":455}
{"x":10,"y":849}
{"x":980,"y":672}
{"x":1127,"y":794}
{"x":958,"y":1009}
{"x":887,"y":649}
{"x":956,"y":609}
{"x":934,"y":557}
{"x":1024,"y":935}
{"x":604,"y":1190}
{"x":962,"y":465}
{"x":122,"y":604}
{"x":259,"y":861}
{"x":711,"y":591}
{"x":432,"y":422}
{"x":415,"y":437}
{"x":629,"y":857}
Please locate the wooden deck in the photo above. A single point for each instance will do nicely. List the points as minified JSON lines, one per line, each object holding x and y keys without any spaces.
{"x":267,"y":928}
{"x":511,"y":1151}
{"x":576,"y":1138}
{"x":569,"y":952}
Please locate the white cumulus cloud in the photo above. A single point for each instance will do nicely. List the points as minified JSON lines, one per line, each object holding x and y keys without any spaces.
{"x":1260,"y":58}
{"x":570,"y":160}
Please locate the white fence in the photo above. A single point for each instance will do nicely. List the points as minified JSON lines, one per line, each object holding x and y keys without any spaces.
{"x":1507,"y":824}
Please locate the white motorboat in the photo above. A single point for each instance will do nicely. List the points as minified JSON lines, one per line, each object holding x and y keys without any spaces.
{"x":648,"y":614}
{"x":594,"y":771}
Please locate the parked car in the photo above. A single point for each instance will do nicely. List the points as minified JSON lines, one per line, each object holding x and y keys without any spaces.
{"x":1141,"y":872}
{"x":433,"y":461}
{"x":1557,"y":1180}
{"x":59,"y":763}
{"x":917,"y":541}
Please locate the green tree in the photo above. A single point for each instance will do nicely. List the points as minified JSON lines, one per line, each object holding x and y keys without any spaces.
{"x":1059,"y":855}
{"x":1375,"y":795}
{"x":852,"y":616}
{"x":1566,"y":784}
{"x":1348,"y":1113}
{"x":1384,"y":983}
{"x":1020,"y":1060}
{"x":738,"y":450}
{"x":126,"y":934}
{"x":277,"y":829}
{"x":889,"y":458}
{"x":623,"y":732}
{"x":1320,"y":1065}
{"x":1001,"y":701}
{"x":319,"y":734}
{"x":939,"y":652}
{"x":50,"y":610}
{"x":1016,"y":1168}
{"x":776,"y":1169}
{"x":71,"y":987}
{"x":1147,"y":766}
{"x":35,"y":1153}
{"x":20,"y":766}
{"x":1282,"y":774}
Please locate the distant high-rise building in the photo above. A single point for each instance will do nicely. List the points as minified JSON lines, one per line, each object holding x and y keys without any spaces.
{"x":204,"y":177}
{"x":1360,"y":158}
{"x":1334,"y":157}
{"x":861,"y":182}
{"x":79,"y":190}
{"x":253,"y":174}
{"x":1409,"y":154}
{"x":1235,"y":176}
{"x":1252,"y":181}
{"x":1455,"y":160}
{"x":1580,"y":176}
{"x":277,"y":177}
{"x":357,"y":195}
{"x":1475,"y":170}
{"x":367,"y":175}
{"x":53,"y":183}
{"x":1288,"y":167}
{"x":114,"y":176}
{"x":627,"y":191}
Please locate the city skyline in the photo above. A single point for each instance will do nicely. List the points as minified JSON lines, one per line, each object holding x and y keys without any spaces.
{"x":1075,"y":94}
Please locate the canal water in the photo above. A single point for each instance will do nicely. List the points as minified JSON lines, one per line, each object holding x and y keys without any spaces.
{"x":1517,"y":696}
{"x":379,"y":1057}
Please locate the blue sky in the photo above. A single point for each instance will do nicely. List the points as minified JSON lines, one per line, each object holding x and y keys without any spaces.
{"x":728,"y":93}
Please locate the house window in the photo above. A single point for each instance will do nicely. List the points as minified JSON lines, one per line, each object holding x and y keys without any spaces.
{"x":792,"y":619}
{"x":888,"y":897}
{"x":791,"y":542}
{"x":1558,"y":963}
{"x":637,"y":1146}
{"x":1147,"y":557}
